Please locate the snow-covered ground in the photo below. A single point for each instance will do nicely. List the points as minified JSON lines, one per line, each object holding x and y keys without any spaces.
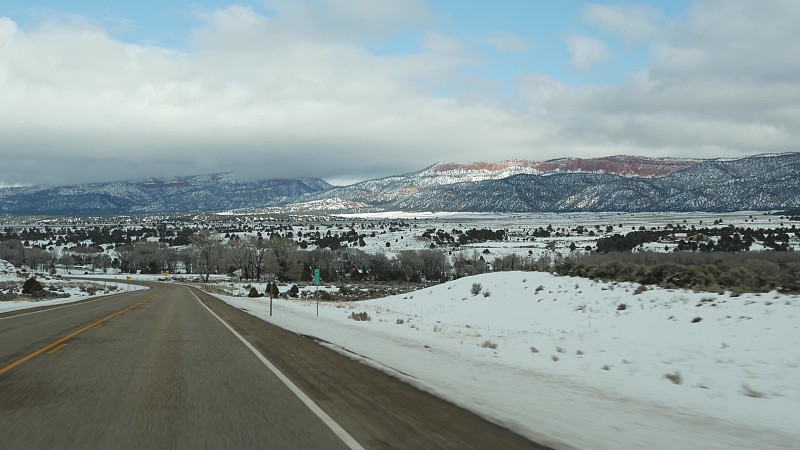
{"x":77,"y":289}
{"x":559,"y":360}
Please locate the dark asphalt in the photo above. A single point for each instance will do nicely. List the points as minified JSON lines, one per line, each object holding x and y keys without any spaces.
{"x":168,"y":374}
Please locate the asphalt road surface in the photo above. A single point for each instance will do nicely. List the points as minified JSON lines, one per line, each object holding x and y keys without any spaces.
{"x":160,"y":369}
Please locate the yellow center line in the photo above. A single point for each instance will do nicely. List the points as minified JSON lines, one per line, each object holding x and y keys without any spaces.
{"x":54,"y":350}
{"x":52,"y":346}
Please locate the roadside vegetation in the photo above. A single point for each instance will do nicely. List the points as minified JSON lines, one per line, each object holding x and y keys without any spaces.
{"x":711,"y":256}
{"x":737,"y":272}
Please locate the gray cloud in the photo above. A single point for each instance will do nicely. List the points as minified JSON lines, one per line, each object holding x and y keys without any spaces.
{"x":723,"y":83}
{"x":281,"y":95}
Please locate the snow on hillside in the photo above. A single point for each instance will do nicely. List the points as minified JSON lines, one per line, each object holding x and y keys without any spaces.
{"x":574,"y":363}
{"x":7,"y":270}
{"x":632,"y":166}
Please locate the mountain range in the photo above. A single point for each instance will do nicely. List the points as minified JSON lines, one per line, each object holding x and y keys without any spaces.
{"x":214,"y":192}
{"x":615,"y":183}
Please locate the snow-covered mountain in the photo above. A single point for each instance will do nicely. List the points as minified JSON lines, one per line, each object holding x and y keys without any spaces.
{"x":615,"y":183}
{"x":214,"y":192}
{"x":619,"y":183}
{"x":629,"y":166}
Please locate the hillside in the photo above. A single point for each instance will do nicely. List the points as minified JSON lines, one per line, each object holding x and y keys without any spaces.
{"x":761,"y":182}
{"x":214,"y":192}
{"x":615,"y":183}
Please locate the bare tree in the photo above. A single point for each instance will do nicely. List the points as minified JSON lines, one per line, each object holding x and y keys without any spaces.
{"x":67,"y":261}
{"x":290,"y":266}
{"x":466,"y":265}
{"x":37,"y":259}
{"x":240,"y":256}
{"x":149,"y":257}
{"x":435,"y":265}
{"x":209,"y":251}
{"x":379,"y":263}
{"x":188,"y":256}
{"x":101,"y":261}
{"x":260,"y":253}
{"x":358,"y":258}
{"x":13,"y":251}
{"x":411,"y":264}
{"x":430,"y":264}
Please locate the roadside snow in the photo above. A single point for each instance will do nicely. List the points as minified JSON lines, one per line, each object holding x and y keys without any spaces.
{"x":8,"y":274}
{"x":574,"y":369}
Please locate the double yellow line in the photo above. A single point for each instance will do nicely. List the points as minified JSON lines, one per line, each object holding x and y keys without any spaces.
{"x":59,"y":344}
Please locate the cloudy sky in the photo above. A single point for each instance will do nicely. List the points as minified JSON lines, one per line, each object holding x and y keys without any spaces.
{"x":348,"y":90}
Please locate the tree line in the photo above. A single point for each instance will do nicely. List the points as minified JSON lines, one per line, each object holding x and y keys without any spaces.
{"x":736,"y":272}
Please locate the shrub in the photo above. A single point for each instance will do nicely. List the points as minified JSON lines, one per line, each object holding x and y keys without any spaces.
{"x":750,"y":392}
{"x":360,"y":317}
{"x":489,"y":344}
{"x":487,"y":294}
{"x":476,"y":289}
{"x":253,"y":293}
{"x":701,"y":271}
{"x":32,"y":286}
{"x":674,"y":377}
{"x":272,"y":290}
{"x":400,"y":321}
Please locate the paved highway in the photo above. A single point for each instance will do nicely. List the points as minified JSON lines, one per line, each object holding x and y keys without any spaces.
{"x":172,"y":367}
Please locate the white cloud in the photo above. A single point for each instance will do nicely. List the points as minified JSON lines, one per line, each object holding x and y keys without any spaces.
{"x":510,"y":43}
{"x":722,"y":82}
{"x":7,"y":29}
{"x":251,"y":95}
{"x":440,"y":43}
{"x":386,"y":15}
{"x":587,"y":51}
{"x":634,"y":22}
{"x":272,"y":95}
{"x":351,"y":19}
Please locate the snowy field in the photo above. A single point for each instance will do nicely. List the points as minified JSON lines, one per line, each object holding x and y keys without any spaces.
{"x":561,"y":361}
{"x":406,"y":234}
{"x":568,"y":362}
{"x":390,"y":233}
{"x":77,"y":289}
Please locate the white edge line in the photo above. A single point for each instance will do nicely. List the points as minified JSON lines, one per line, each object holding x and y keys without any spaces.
{"x":68,"y":304}
{"x":326,"y":419}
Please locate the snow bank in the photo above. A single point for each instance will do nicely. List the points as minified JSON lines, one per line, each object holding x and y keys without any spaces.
{"x":577,"y":363}
{"x":8,"y":274}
